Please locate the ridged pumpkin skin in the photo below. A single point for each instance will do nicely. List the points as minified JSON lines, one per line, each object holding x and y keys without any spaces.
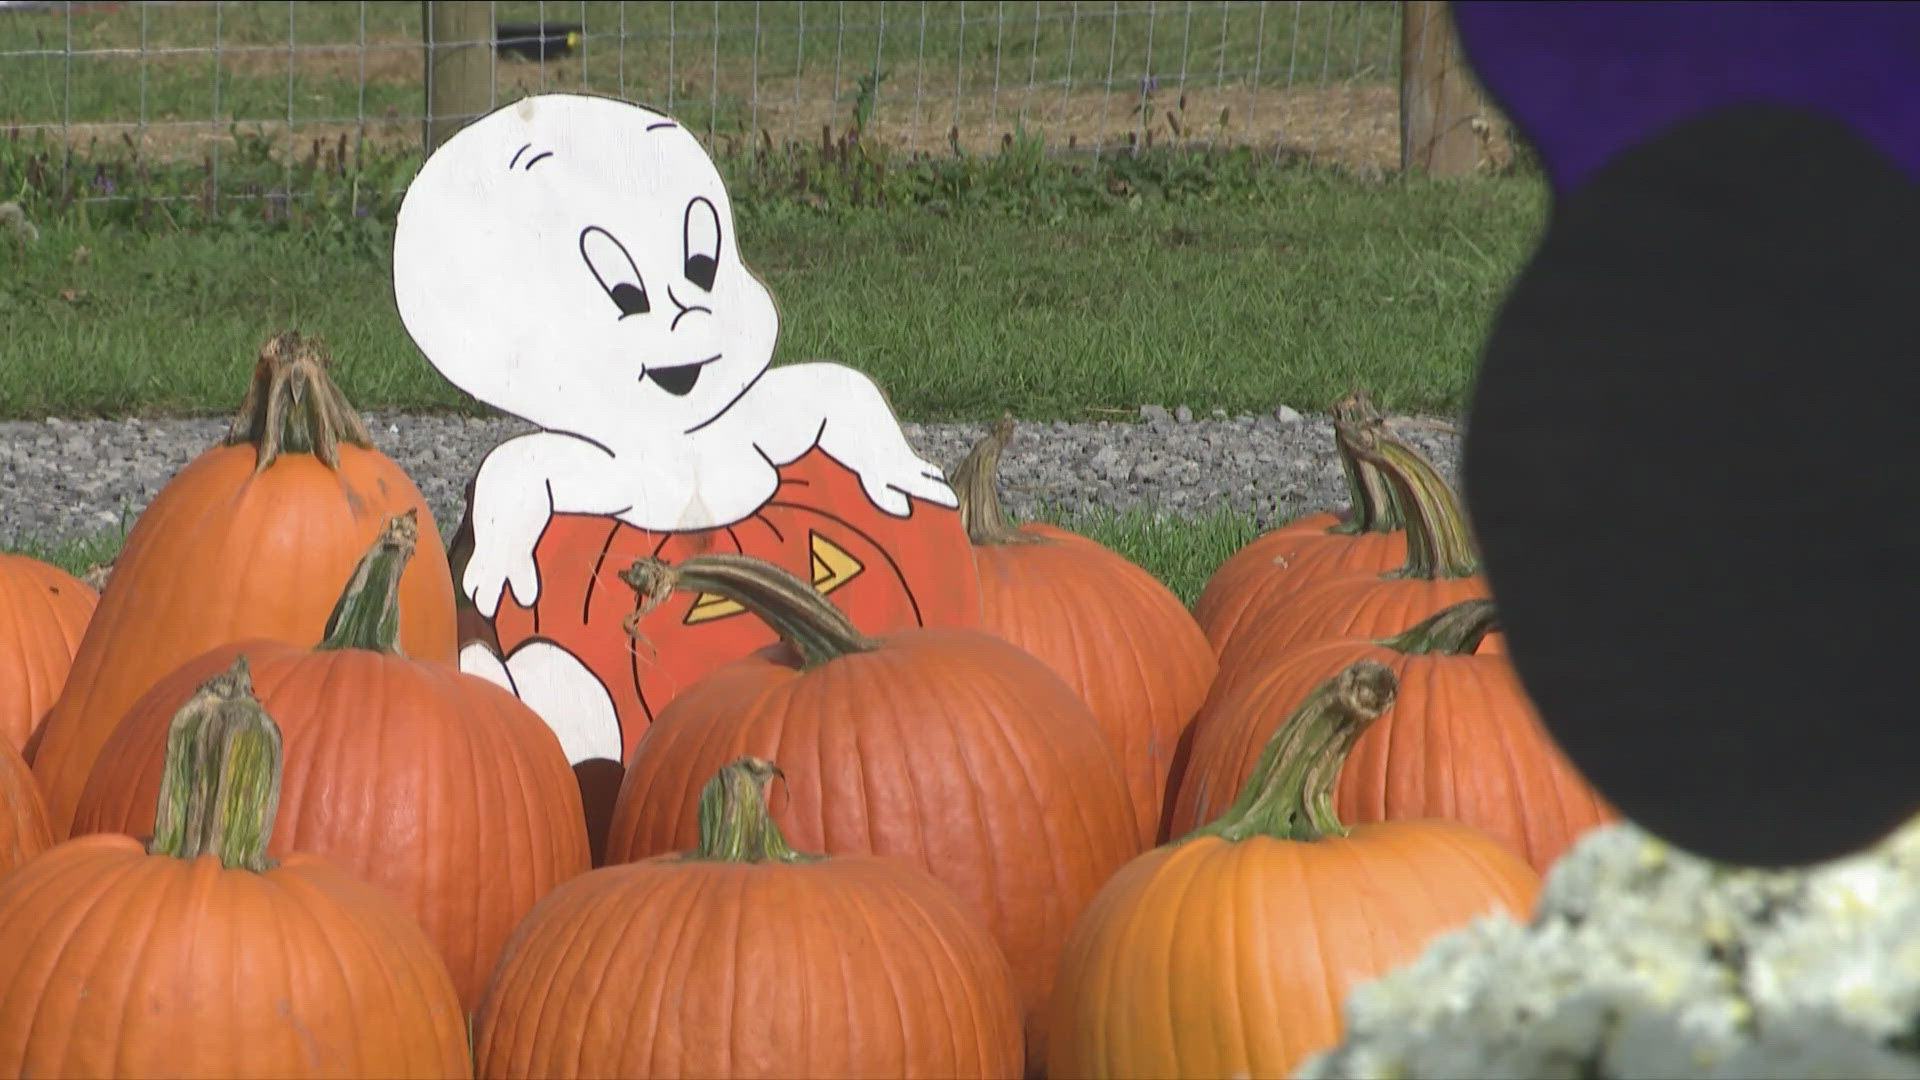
{"x":1362,"y":605}
{"x":196,"y":956}
{"x":1109,"y":628}
{"x":116,"y":963}
{"x":224,"y":554}
{"x":43,"y":613}
{"x":1212,"y":958}
{"x":23,"y":813}
{"x":850,"y":966}
{"x":1230,"y":953}
{"x":1280,"y":563}
{"x":1462,"y":743}
{"x":436,"y":785}
{"x":946,"y":747}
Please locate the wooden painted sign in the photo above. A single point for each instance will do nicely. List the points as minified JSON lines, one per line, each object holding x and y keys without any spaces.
{"x":571,"y":260}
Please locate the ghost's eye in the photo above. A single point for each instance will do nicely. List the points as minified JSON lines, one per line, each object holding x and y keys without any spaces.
{"x":613,"y":268}
{"x":703,"y":243}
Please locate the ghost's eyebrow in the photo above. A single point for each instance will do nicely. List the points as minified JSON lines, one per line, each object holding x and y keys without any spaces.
{"x":662,"y":124}
{"x":532,"y":161}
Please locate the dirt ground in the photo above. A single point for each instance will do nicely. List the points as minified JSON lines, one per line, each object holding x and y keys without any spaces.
{"x":1353,"y":124}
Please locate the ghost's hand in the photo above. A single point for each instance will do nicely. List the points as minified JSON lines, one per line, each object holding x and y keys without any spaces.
{"x":495,"y":567}
{"x":891,"y":489}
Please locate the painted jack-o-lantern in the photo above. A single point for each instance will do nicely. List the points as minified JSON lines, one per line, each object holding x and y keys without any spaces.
{"x":884,"y":572}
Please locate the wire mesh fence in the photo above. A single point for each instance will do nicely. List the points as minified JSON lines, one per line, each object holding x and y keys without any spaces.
{"x":239,"y":90}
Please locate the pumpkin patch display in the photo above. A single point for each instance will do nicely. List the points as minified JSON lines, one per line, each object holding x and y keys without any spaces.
{"x":1441,"y":568}
{"x":23,"y":813}
{"x":746,"y":958}
{"x":948,"y":748}
{"x":253,"y":539}
{"x":43,"y":613}
{"x":1463,"y":742}
{"x":433,"y":784}
{"x":1118,"y":636}
{"x":1230,"y":952}
{"x":198,"y":954}
{"x":1368,"y":536}
{"x":608,"y":305}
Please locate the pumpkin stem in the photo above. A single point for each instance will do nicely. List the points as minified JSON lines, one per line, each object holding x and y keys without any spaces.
{"x":1369,"y":499}
{"x":367,"y":615}
{"x":220,"y":784}
{"x":735,"y":824}
{"x":292,"y":407}
{"x":1439,"y":543}
{"x":1290,"y":794}
{"x":803,"y":618}
{"x":976,"y":482}
{"x":1451,"y":631}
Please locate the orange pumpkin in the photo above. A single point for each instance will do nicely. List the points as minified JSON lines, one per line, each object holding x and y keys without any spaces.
{"x":1369,"y":536}
{"x":947,"y":747}
{"x":1442,"y":568}
{"x":23,"y":813}
{"x":596,"y":983}
{"x":436,"y":785}
{"x":253,"y":539}
{"x":1230,"y":952}
{"x":43,"y":613}
{"x":1462,"y":743}
{"x":198,"y":956}
{"x":1118,"y":636}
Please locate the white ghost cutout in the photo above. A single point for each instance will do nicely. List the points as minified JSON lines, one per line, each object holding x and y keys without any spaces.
{"x":570,"y":260}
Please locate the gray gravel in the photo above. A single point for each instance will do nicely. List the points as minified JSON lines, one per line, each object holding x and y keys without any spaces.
{"x":66,"y":480}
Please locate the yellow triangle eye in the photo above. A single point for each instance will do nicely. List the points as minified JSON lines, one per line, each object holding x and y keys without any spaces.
{"x":833,"y":566}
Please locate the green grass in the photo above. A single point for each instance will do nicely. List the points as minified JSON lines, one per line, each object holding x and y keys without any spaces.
{"x":1286,"y":289}
{"x":705,"y":61}
{"x":1181,"y":553}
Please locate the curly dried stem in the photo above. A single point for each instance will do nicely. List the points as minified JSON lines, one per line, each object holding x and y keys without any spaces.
{"x":293,"y":407}
{"x":1290,"y":794}
{"x":1439,"y":544}
{"x":976,"y":482}
{"x":1369,"y":497}
{"x":803,"y":618}
{"x":367,"y":615}
{"x":220,"y":785}
{"x":735,"y":822}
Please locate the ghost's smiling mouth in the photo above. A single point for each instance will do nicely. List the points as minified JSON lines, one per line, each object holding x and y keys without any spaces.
{"x":678,"y":380}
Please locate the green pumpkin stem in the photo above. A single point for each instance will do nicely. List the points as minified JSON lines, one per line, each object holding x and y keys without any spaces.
{"x":976,"y":481}
{"x":1290,"y":794}
{"x":220,"y":784}
{"x":1439,"y":543}
{"x":1371,"y":508}
{"x":367,"y":615}
{"x":1451,"y":631}
{"x":293,"y":407}
{"x":735,"y":823}
{"x":803,"y":618}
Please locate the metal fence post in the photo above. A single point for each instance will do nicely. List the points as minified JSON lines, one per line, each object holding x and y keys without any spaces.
{"x":458,"y":36}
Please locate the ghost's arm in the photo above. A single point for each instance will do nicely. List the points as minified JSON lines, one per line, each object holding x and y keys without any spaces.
{"x":841,"y":411}
{"x":521,"y":484}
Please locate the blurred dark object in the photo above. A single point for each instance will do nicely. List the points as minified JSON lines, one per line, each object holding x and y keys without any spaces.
{"x":536,"y":41}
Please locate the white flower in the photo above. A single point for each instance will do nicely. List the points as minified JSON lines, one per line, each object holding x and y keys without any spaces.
{"x":1644,"y":961}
